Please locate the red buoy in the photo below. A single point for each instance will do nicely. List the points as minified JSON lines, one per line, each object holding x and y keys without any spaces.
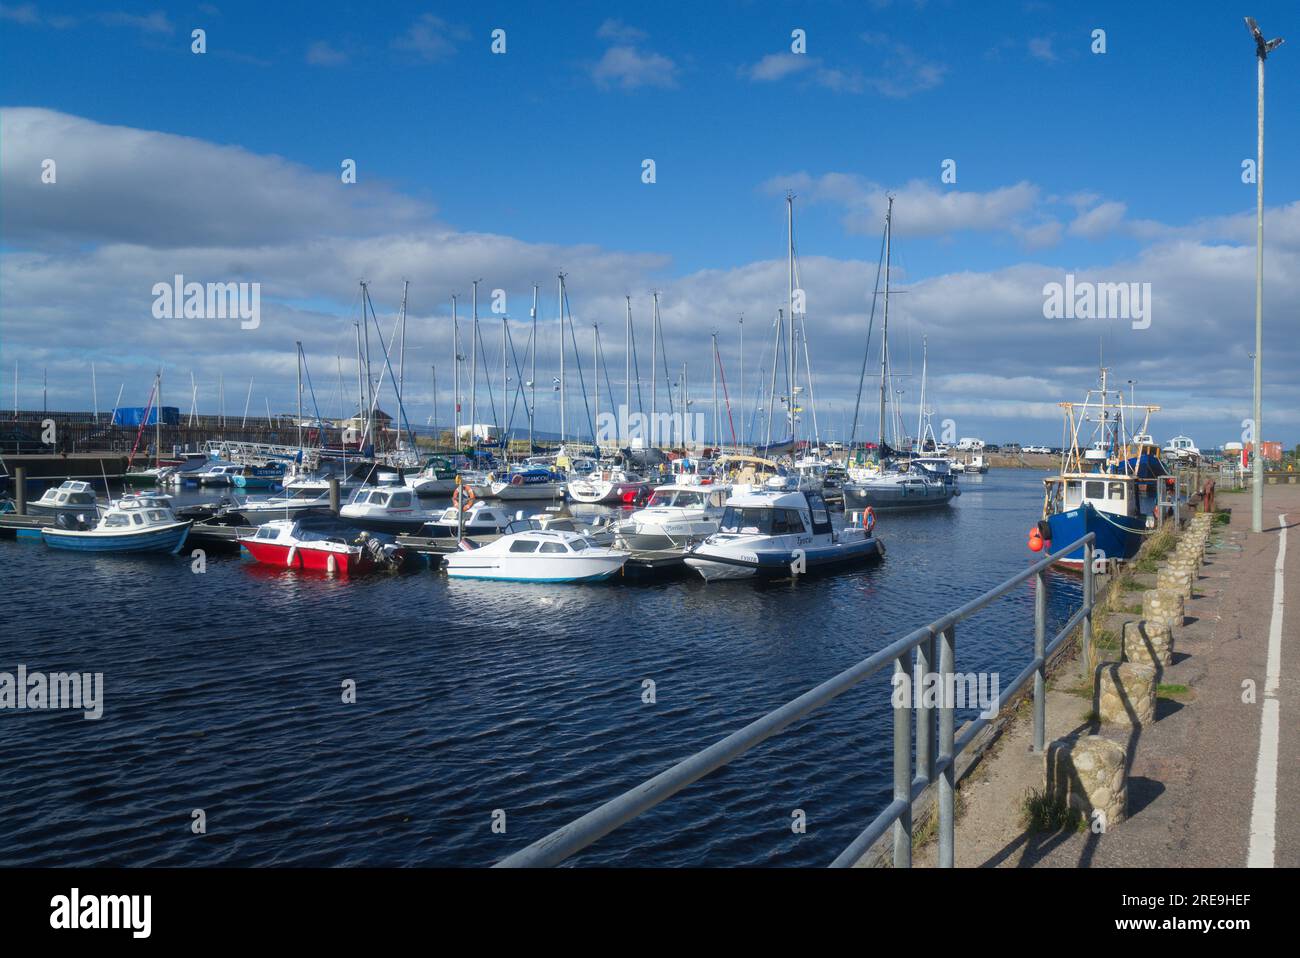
{"x":1035,"y":540}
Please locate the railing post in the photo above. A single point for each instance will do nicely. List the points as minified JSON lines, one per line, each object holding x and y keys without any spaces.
{"x":924,"y":711}
{"x":903,"y":770}
{"x":1040,"y":651}
{"x":1089,"y":591}
{"x":948,"y":780}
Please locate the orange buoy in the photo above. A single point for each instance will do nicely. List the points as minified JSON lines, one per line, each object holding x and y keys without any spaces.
{"x":1035,"y":540}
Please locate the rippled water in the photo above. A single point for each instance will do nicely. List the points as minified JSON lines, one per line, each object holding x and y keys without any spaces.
{"x":223,"y":692}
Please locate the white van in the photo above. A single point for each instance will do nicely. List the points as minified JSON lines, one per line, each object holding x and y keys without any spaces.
{"x":970,"y":445}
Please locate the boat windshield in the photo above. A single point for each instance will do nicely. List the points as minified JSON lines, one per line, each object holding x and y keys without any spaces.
{"x":749,"y":521}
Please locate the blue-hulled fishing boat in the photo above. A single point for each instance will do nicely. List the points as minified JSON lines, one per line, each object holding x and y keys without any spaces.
{"x":135,"y":523}
{"x":1108,"y":488}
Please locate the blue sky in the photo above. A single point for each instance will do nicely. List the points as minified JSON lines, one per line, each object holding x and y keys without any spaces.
{"x":1066,"y":161}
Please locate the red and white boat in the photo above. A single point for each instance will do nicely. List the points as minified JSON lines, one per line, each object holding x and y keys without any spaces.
{"x":284,"y":543}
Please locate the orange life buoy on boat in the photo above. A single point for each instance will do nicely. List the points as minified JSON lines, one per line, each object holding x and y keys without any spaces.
{"x":463,"y":497}
{"x":869,"y":519}
{"x":516,"y":480}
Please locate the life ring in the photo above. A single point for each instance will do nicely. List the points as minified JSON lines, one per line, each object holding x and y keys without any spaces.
{"x":516,"y":480}
{"x":869,"y":519}
{"x":463,"y":497}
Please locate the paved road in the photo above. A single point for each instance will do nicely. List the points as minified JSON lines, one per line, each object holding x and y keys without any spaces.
{"x":1198,"y":787}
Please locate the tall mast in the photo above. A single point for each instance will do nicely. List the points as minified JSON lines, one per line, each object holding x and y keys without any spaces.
{"x":793,"y":361}
{"x":298,"y":357}
{"x":157,"y":424}
{"x":741,"y":324}
{"x":361,"y":392}
{"x":560,"y":294}
{"x":505,"y":375}
{"x":627,"y":374}
{"x":532,"y":412}
{"x":771,"y":393}
{"x":654,"y":358}
{"x":94,"y":392}
{"x":455,"y":376}
{"x":401,"y":354}
{"x":473,"y":373}
{"x":370,"y":383}
{"x":920,"y":409}
{"x":884,"y":342}
{"x":716,"y":431}
{"x":595,"y":378}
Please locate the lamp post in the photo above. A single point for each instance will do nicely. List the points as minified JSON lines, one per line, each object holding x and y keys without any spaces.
{"x":1262,"y":49}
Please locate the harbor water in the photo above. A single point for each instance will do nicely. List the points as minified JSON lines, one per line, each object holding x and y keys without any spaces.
{"x":476,"y":702}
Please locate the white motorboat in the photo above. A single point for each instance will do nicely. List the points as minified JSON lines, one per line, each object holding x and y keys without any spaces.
{"x":537,"y":555}
{"x":299,"y":501}
{"x":609,"y":485}
{"x":386,"y":509}
{"x":768,"y":533}
{"x":68,"y":498}
{"x":219,"y":474}
{"x":1181,"y":449}
{"x":480,"y":518}
{"x":676,"y":516}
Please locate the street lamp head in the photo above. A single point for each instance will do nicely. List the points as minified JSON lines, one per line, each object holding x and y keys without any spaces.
{"x":1262,"y":47}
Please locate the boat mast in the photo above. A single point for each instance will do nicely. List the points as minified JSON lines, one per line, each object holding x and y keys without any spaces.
{"x":627,"y":374}
{"x":742,"y":377}
{"x":473,"y":373}
{"x":716,"y":430}
{"x":920,"y":409}
{"x":595,"y":378}
{"x":370,"y":383}
{"x":532,"y":413}
{"x":157,"y":422}
{"x":361,"y":392}
{"x":560,"y":294}
{"x":401,"y":348}
{"x":793,"y":361}
{"x":455,"y":376}
{"x":884,"y":344}
{"x":298,"y":357}
{"x":505,"y":376}
{"x":654,"y":358}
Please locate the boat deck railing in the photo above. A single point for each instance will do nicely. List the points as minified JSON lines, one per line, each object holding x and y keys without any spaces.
{"x":931,"y":761}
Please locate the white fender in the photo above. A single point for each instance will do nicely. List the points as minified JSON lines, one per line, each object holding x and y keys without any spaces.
{"x":331,"y":565}
{"x":293,"y":553}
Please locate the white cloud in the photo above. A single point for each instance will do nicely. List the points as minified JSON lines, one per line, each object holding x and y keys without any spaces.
{"x":78,"y":269}
{"x":778,"y":66}
{"x":429,"y":38}
{"x":322,"y":53}
{"x":619,"y":32}
{"x":628,"y":67}
{"x":1099,"y":221}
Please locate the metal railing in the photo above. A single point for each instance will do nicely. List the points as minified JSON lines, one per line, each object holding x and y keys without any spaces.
{"x":931,"y":765}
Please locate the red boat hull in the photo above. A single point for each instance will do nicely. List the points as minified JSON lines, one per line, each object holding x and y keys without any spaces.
{"x":305,"y":557}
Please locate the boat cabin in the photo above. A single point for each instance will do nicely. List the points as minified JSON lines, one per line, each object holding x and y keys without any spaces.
{"x":687,"y":497}
{"x":134,"y":512}
{"x":773,"y":513}
{"x":69,"y":495}
{"x":1117,"y":495}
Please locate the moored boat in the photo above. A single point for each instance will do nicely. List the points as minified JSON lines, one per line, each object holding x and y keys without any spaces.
{"x":285,"y":543}
{"x":135,"y":523}
{"x":768,"y":533}
{"x":537,"y":555}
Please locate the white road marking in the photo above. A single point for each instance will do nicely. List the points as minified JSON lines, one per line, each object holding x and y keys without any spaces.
{"x":1263,"y":815}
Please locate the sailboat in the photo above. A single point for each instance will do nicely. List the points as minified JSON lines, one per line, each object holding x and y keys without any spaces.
{"x":893,"y":482}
